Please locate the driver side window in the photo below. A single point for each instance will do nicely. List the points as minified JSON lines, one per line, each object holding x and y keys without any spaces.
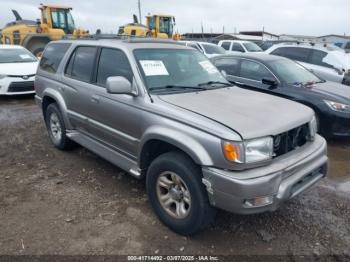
{"x":254,"y":71}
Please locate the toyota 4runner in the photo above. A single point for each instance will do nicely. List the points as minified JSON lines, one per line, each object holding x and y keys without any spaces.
{"x":161,"y":111}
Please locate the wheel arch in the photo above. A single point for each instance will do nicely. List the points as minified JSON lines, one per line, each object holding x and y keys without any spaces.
{"x":161,"y":140}
{"x":52,"y":96}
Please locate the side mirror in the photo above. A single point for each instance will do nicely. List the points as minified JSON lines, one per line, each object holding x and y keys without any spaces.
{"x":119,"y":85}
{"x":269,"y":82}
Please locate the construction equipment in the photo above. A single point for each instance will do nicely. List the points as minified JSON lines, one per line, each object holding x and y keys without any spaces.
{"x":157,"y":26}
{"x":56,"y":23}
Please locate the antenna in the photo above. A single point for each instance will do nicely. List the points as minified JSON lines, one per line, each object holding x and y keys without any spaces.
{"x":139,"y":6}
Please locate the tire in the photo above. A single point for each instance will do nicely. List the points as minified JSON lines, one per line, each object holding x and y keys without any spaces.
{"x":56,"y":128}
{"x":194,"y":212}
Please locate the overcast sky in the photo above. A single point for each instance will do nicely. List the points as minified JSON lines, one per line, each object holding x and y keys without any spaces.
{"x":308,"y":17}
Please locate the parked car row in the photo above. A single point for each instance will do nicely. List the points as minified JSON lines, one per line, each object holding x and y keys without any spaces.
{"x":162,"y":111}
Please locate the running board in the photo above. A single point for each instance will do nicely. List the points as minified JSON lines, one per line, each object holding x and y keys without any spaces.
{"x":107,"y":153}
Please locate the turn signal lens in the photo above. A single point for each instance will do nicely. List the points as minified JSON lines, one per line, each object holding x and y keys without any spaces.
{"x":232,"y":152}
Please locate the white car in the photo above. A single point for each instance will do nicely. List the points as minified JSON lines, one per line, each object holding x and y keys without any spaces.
{"x":208,"y":49}
{"x":327,"y":62}
{"x":17,"y":70}
{"x":239,"y":46}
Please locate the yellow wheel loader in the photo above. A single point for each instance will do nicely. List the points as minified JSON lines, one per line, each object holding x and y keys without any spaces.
{"x":56,"y":23}
{"x":157,"y":26}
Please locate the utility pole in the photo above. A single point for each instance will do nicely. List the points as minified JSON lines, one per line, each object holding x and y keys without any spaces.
{"x":139,"y":6}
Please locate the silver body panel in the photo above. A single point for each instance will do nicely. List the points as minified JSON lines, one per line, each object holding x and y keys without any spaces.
{"x":117,"y":127}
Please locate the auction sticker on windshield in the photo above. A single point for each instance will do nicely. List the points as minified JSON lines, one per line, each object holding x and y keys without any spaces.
{"x":154,"y":68}
{"x":209,"y":67}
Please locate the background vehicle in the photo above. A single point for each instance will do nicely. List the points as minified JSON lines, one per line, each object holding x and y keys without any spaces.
{"x":239,"y":46}
{"x":346,"y":47}
{"x":327,"y":62}
{"x":264,"y":45}
{"x":17,"y":70}
{"x":208,"y":49}
{"x":157,"y":26}
{"x":162,"y":111}
{"x":286,"y":78}
{"x":56,"y":22}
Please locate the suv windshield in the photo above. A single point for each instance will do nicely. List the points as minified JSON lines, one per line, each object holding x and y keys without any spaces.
{"x":16,"y":56}
{"x":252,"y":47}
{"x":213,"y":49}
{"x":178,"y":69}
{"x":291,"y":72}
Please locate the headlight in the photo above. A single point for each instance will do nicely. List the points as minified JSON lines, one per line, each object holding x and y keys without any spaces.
{"x":250,"y":151}
{"x":2,"y":76}
{"x":339,"y":107}
{"x":313,"y":127}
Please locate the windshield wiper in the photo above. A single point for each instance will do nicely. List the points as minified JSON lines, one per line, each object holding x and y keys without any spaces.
{"x":176,"y":87}
{"x":215,"y":83}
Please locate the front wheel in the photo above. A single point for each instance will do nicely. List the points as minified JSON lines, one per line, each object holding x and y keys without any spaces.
{"x":177,"y":194}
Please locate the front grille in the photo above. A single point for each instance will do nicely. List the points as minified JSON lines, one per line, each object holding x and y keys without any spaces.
{"x":21,"y":87}
{"x":288,"y":141}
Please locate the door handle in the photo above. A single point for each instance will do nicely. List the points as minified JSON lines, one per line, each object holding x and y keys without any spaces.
{"x":95,"y":99}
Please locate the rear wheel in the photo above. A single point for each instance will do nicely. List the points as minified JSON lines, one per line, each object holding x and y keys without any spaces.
{"x":56,"y":128}
{"x":177,"y":194}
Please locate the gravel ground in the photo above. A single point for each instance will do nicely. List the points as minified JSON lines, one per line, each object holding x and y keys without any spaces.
{"x":75,"y":203}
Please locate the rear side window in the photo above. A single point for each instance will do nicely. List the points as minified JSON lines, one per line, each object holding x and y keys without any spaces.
{"x":229,"y":65}
{"x":317,"y":57}
{"x":347,"y":46}
{"x":253,"y":70}
{"x":237,"y":47}
{"x":113,"y":62}
{"x":81,"y":63}
{"x":226,"y":45}
{"x":294,"y":53}
{"x":53,"y":56}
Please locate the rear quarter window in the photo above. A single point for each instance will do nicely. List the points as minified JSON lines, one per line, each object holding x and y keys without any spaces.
{"x":53,"y":56}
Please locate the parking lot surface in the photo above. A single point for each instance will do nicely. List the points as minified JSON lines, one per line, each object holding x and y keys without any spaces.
{"x":54,"y":202}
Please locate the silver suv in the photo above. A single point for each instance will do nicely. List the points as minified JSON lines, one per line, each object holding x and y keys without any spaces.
{"x":161,"y":111}
{"x":330,"y":63}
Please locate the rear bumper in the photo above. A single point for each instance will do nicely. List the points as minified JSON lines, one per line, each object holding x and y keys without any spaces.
{"x":278,"y":182}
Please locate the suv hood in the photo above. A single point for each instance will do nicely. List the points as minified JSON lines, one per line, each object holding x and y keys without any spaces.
{"x":251,"y":114}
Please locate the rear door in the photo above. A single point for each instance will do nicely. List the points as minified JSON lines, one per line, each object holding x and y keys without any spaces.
{"x":77,"y":77}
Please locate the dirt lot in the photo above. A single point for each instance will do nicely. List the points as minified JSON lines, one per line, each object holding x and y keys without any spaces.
{"x":54,"y":202}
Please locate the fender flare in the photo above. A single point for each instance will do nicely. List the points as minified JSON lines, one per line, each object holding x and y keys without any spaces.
{"x":178,"y":139}
{"x":55,"y":95}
